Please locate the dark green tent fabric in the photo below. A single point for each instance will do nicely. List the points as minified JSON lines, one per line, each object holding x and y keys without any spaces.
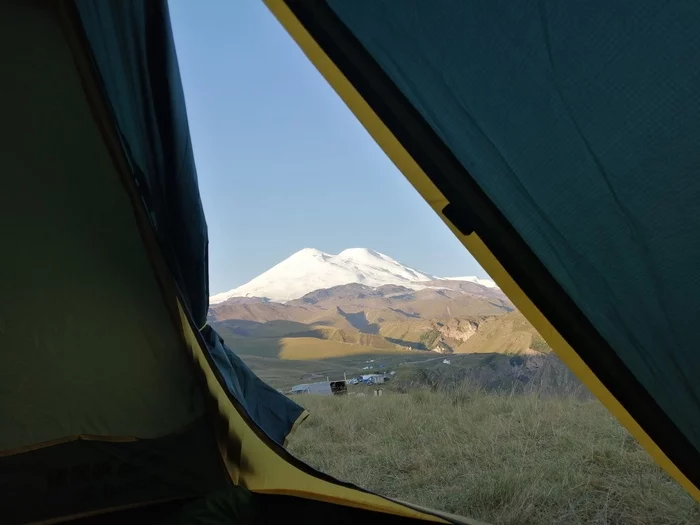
{"x":134,"y":53}
{"x":579,"y":122}
{"x":273,"y":412}
{"x":100,"y":404}
{"x":83,"y":476}
{"x":132,"y":46}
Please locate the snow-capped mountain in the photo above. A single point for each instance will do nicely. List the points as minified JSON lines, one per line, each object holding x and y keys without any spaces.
{"x":310,"y":269}
{"x":488,"y":283}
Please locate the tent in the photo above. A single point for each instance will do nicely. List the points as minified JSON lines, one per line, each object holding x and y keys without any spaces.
{"x":115,"y":395}
{"x":557,"y":141}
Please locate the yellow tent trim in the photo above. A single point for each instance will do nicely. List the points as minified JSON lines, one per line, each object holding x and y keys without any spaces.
{"x":249,"y":458}
{"x":252,"y":464}
{"x":302,"y":417}
{"x":94,"y":513}
{"x":67,"y":439}
{"x":420,"y":181}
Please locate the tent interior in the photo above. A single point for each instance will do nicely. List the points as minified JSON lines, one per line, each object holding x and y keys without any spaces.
{"x":117,"y":406}
{"x":123,"y":404}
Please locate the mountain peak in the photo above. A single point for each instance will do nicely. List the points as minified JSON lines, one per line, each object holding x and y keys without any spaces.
{"x":310,"y":269}
{"x":488,"y":283}
{"x":310,"y":252}
{"x":364,"y":255}
{"x":359,"y":253}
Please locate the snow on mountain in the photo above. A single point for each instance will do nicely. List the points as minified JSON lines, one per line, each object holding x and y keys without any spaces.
{"x":310,"y":269}
{"x":488,"y":283}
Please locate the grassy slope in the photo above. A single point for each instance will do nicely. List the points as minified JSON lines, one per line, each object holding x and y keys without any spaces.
{"x":284,"y":373}
{"x":506,"y":334}
{"x":303,"y":348}
{"x":502,"y":459}
{"x":311,"y":348}
{"x":409,"y":331}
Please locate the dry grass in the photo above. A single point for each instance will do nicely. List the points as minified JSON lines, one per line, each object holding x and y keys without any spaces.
{"x":499,"y":458}
{"x":310,"y":348}
{"x":304,"y":348}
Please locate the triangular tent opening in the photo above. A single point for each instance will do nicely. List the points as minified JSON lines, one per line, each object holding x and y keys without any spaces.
{"x":123,"y":400}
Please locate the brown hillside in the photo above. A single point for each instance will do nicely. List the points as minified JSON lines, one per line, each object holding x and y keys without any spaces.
{"x":506,"y":334}
{"x":457,"y":317}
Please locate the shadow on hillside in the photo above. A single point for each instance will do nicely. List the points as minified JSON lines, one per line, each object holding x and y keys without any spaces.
{"x":542,"y":374}
{"x":410,"y":344}
{"x":238,"y":337}
{"x":407,"y":314}
{"x":360,"y":322}
{"x":503,"y":305}
{"x":274,"y":328}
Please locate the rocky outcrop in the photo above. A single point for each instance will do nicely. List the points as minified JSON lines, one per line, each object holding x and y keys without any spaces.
{"x":446,"y":335}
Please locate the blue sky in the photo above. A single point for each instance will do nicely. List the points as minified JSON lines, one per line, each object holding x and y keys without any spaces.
{"x":282,"y":163}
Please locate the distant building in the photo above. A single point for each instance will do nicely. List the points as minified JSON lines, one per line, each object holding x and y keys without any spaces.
{"x":322,"y":388}
{"x":373,"y":379}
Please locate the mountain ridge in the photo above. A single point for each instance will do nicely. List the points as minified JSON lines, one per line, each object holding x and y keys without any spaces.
{"x":310,"y":269}
{"x":314,"y":304}
{"x":355,"y":318}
